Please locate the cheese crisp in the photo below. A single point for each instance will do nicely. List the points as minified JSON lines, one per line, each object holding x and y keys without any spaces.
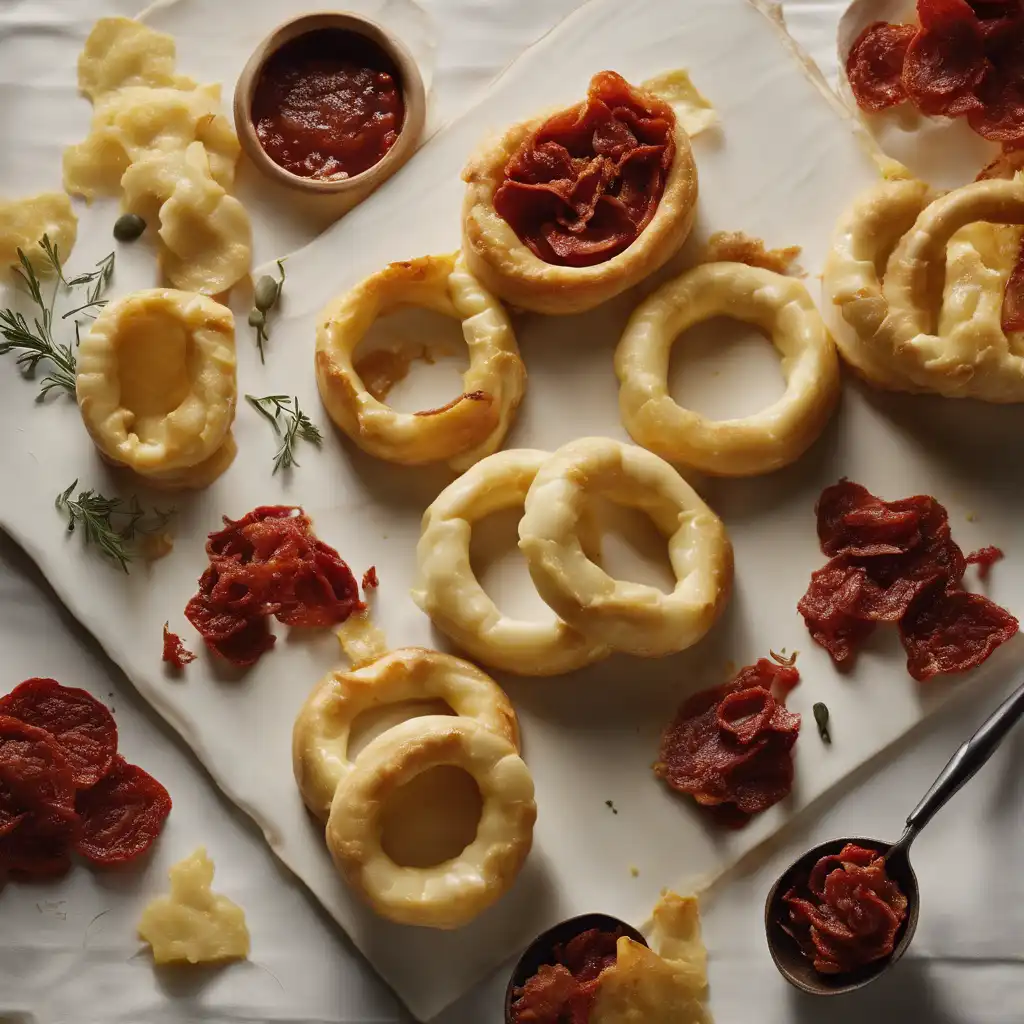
{"x":194,"y":925}
{"x":23,"y":222}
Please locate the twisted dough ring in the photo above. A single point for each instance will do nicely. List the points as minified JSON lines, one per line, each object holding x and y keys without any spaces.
{"x":320,"y":737}
{"x":156,"y":386}
{"x":461,"y":432}
{"x":450,"y":894}
{"x":772,"y":438}
{"x":628,"y":617}
{"x":447,"y":588}
{"x":890,"y":330}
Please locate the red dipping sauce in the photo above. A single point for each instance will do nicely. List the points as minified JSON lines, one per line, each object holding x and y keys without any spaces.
{"x":328,"y":105}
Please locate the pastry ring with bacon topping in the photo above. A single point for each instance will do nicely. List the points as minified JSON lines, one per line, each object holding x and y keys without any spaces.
{"x":320,"y":738}
{"x":461,"y":432}
{"x":450,"y":894}
{"x":567,"y":210}
{"x":156,"y":386}
{"x":765,"y":441}
{"x":630,"y":617}
{"x":963,"y":247}
{"x":447,"y":588}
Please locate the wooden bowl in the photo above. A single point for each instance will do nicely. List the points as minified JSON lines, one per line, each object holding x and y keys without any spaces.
{"x":360,"y":185}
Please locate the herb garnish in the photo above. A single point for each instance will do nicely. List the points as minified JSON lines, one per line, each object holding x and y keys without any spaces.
{"x":109,"y":523}
{"x":265,"y":298}
{"x":35,"y":342}
{"x":821,"y":718}
{"x":290,"y":424}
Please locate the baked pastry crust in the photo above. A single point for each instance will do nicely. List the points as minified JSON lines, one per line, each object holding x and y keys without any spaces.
{"x":767,"y":440}
{"x":507,"y":267}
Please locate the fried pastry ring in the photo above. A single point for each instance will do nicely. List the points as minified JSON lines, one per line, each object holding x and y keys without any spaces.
{"x":466,"y":429}
{"x":320,"y":736}
{"x":888,"y":329}
{"x":450,"y":894}
{"x":629,"y":617}
{"x":506,"y":266}
{"x":156,"y":386}
{"x":778,"y":435}
{"x":447,"y":588}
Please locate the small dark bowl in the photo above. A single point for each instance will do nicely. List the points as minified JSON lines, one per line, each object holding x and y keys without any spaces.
{"x":539,"y":952}
{"x":789,"y":958}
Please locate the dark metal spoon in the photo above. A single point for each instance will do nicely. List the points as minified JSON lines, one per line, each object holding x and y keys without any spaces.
{"x":962,"y":767}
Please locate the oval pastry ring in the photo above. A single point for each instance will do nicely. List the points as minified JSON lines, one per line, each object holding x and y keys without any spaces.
{"x":447,"y":588}
{"x":774,"y":437}
{"x":320,"y":737}
{"x":467,"y":428}
{"x":452,"y":893}
{"x":174,"y":428}
{"x":630,"y":617}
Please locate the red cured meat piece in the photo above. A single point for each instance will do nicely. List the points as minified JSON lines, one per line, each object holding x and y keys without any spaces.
{"x":588,"y":181}
{"x":323,"y":591}
{"x":40,"y":846}
{"x":246,"y":646}
{"x":122,"y":815}
{"x":984,"y":559}
{"x":874,"y":67}
{"x":233,"y":542}
{"x":370,"y":581}
{"x":34,"y":770}
{"x":852,"y":521}
{"x":82,"y":727}
{"x":953,"y":633}
{"x":175,"y":652}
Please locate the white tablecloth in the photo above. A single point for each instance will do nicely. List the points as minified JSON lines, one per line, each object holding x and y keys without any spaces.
{"x":68,"y":950}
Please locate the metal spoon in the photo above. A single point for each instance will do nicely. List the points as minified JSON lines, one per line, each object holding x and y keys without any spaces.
{"x":962,"y":767}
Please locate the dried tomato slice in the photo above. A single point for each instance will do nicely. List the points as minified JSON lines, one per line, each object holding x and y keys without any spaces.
{"x":232,"y":541}
{"x":122,"y":815}
{"x":82,"y":727}
{"x":40,"y":846}
{"x":874,"y":66}
{"x":984,"y":559}
{"x":175,"y":652}
{"x":953,"y":632}
{"x":370,"y":581}
{"x":34,"y":769}
{"x":245,"y":647}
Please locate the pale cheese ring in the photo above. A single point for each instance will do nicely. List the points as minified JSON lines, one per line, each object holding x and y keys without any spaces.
{"x":188,"y":391}
{"x":447,"y":588}
{"x":630,"y":617}
{"x":461,"y":432}
{"x":507,"y":267}
{"x":320,"y":736}
{"x":450,"y":894}
{"x":778,"y":435}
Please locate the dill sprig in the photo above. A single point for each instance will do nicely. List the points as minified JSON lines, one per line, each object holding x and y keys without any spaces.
{"x":34,"y":341}
{"x":111,"y":524}
{"x":290,"y":424}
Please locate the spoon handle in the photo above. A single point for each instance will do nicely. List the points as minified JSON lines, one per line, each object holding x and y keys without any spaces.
{"x":969,"y":757}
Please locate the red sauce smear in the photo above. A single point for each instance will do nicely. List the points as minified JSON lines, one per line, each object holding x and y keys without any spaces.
{"x":64,"y":788}
{"x":328,"y":105}
{"x":584,"y":185}
{"x":896,"y":561}
{"x":847,"y":912}
{"x":563,"y":991}
{"x":730,"y":747}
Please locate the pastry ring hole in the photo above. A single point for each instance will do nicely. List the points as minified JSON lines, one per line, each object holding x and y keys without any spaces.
{"x":774,"y":436}
{"x":462,"y":550}
{"x":460,"y":431}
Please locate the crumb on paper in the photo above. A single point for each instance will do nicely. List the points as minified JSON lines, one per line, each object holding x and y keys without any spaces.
{"x":971,"y":517}
{"x":634,"y":871}
{"x":611,"y":806}
{"x":361,"y":641}
{"x":738,"y":247}
{"x":693,"y":110}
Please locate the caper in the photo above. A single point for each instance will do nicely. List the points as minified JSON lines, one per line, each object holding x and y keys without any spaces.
{"x":267,"y":291}
{"x":257,"y":318}
{"x":128,"y":227}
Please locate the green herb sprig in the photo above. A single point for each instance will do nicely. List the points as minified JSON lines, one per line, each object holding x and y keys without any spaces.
{"x":111,"y":524}
{"x":290,"y":424}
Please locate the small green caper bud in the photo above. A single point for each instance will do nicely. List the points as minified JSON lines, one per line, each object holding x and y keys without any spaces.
{"x":267,"y":291}
{"x":257,"y":318}
{"x":128,"y":227}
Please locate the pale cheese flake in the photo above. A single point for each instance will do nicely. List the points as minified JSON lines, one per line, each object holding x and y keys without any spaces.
{"x":23,"y":222}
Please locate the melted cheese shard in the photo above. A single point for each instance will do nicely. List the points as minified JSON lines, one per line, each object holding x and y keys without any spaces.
{"x":361,"y":641}
{"x":676,"y":88}
{"x":194,"y":925}
{"x":663,"y":985}
{"x":23,"y":222}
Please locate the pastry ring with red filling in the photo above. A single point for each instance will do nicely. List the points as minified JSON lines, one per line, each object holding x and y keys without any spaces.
{"x":926,"y":294}
{"x":630,"y":617}
{"x":448,"y":590}
{"x":567,"y":210}
{"x":461,"y":432}
{"x":774,"y":437}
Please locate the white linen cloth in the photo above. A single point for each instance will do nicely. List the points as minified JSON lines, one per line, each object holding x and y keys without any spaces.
{"x":68,"y":951}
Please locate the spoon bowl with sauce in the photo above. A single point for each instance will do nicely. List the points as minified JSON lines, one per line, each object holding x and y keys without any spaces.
{"x":793,"y":963}
{"x":330,"y":104}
